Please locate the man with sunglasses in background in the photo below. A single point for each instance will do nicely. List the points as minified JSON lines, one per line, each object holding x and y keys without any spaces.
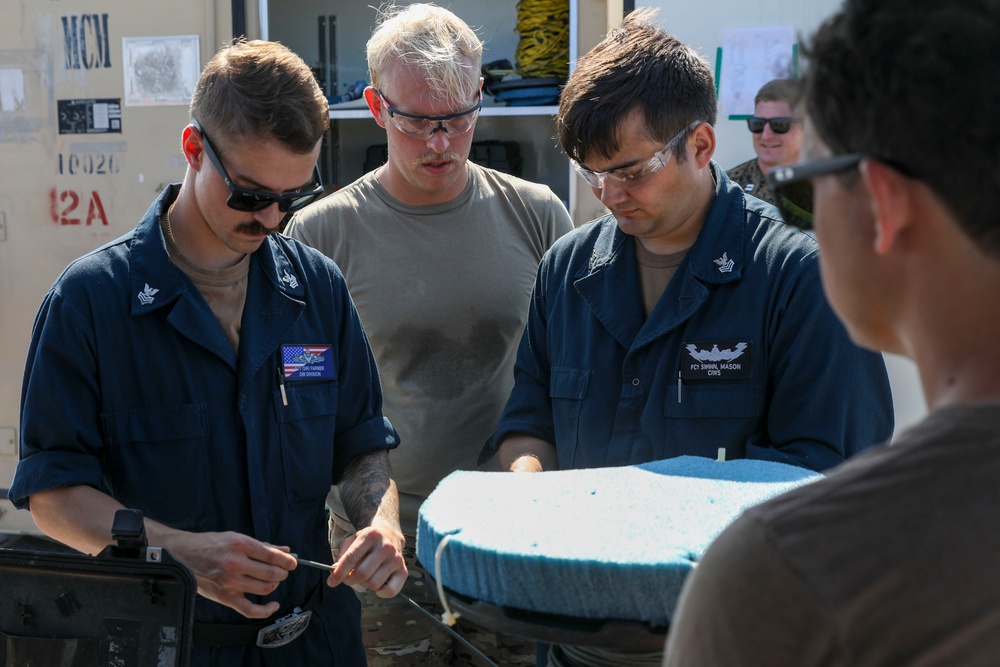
{"x":777,"y":137}
{"x":892,"y":559}
{"x":440,"y":255}
{"x":215,"y":376}
{"x":690,"y":318}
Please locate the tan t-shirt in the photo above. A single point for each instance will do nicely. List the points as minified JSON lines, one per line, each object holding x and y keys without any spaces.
{"x":442,"y":292}
{"x":225,"y":290}
{"x":655,"y":272}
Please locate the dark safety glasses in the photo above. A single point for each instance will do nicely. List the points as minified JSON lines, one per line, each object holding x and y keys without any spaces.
{"x":249,"y":201}
{"x":779,"y":124}
{"x":424,"y":127}
{"x":793,"y":189}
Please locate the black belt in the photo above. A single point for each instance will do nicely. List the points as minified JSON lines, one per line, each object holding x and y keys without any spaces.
{"x":235,"y":634}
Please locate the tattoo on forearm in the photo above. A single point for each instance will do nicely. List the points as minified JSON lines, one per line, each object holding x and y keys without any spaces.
{"x":365,"y":489}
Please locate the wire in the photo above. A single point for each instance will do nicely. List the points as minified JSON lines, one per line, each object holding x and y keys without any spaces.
{"x":543,"y":50}
{"x":449,"y":617}
{"x":465,"y":642}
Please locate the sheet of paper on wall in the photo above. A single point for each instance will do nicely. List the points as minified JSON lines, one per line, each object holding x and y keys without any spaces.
{"x":160,"y":71}
{"x":11,"y":89}
{"x":750,"y":58}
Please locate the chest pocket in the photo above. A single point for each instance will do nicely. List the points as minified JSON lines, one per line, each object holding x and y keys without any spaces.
{"x":712,"y":415}
{"x":307,"y":425}
{"x":737,"y":400}
{"x":142,"y":440}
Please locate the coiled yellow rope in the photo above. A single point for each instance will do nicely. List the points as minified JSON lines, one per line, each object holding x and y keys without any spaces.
{"x":544,"y":47}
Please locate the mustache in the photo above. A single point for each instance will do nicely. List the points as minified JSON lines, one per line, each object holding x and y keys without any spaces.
{"x":432,"y":157}
{"x":255,"y":228}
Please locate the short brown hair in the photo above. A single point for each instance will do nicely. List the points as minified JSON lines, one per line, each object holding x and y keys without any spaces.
{"x":258,"y":89}
{"x":637,"y":66}
{"x":780,"y":90}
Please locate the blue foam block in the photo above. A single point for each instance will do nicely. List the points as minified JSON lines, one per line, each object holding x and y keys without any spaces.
{"x":604,"y":543}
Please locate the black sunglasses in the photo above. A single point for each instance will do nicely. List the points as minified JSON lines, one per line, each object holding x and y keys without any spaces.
{"x":779,"y":124}
{"x":793,"y":191}
{"x":249,"y":201}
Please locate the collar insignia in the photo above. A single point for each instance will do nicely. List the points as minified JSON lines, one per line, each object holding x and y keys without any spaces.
{"x":725,"y":264}
{"x":146,"y":295}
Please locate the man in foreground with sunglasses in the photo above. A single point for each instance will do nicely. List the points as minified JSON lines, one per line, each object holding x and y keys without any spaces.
{"x":777,"y":137}
{"x":440,"y":255}
{"x":892,"y":559}
{"x":215,"y":375}
{"x":689,"y":319}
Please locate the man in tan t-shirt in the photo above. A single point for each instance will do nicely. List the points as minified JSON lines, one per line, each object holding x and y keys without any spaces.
{"x":440,"y":256}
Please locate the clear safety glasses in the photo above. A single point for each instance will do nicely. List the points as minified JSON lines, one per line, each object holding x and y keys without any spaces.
{"x":424,"y":127}
{"x":634,"y":175}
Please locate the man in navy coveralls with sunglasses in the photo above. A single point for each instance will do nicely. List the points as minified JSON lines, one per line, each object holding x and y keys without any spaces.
{"x":215,"y":375}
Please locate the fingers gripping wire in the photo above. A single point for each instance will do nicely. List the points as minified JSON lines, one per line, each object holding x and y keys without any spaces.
{"x":449,"y":616}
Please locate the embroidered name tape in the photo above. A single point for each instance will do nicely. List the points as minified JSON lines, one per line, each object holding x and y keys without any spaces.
{"x":307,"y":362}
{"x":716,"y":360}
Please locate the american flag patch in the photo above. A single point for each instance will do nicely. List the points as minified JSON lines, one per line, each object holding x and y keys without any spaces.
{"x":307,"y":362}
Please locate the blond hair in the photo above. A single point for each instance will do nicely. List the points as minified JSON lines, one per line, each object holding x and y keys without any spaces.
{"x":434,"y":40}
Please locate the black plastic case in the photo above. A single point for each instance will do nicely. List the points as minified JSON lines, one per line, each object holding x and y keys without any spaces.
{"x":130,"y":606}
